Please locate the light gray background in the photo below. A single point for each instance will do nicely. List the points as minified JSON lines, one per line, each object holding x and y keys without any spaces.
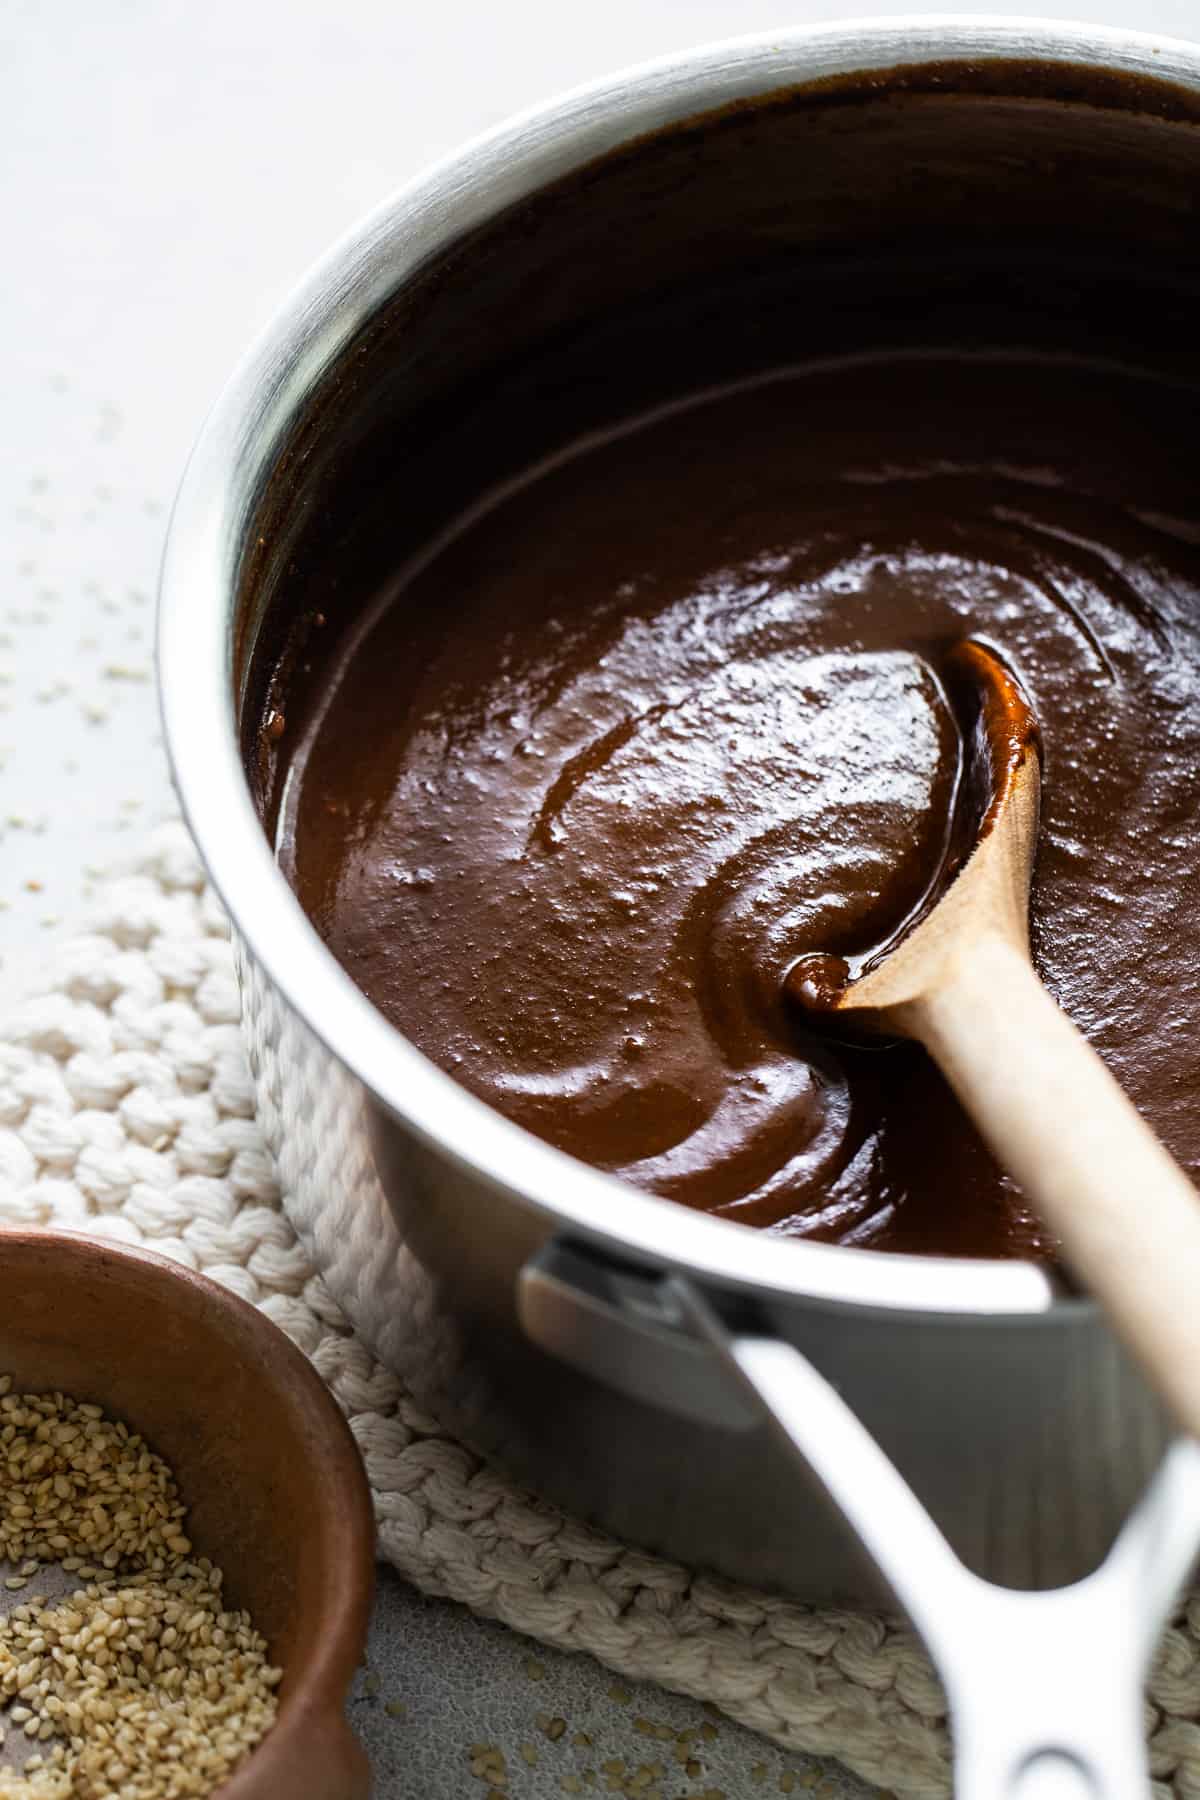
{"x":168,"y":168}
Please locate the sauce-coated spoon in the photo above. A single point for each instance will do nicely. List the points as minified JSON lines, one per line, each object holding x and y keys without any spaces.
{"x":960,"y":980}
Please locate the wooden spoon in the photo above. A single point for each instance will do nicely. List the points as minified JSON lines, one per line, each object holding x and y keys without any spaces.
{"x":960,"y":980}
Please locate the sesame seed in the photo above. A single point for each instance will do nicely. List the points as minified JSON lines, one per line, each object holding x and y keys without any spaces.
{"x":142,"y":1682}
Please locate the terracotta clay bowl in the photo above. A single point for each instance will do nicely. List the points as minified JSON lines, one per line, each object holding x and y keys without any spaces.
{"x":272,"y":1478}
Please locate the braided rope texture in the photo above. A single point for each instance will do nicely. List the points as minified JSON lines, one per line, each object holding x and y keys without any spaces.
{"x":126,"y":1110}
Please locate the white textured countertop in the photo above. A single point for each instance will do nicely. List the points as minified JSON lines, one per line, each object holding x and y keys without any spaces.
{"x":169,"y":169}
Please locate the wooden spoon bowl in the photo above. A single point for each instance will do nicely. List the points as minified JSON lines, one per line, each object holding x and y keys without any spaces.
{"x":267,"y":1466}
{"x":960,"y":980}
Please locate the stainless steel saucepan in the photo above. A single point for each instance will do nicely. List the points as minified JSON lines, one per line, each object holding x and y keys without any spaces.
{"x":692,"y":1385}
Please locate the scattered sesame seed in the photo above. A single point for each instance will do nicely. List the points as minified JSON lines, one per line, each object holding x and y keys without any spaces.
{"x":487,"y":1763}
{"x":654,"y":1728}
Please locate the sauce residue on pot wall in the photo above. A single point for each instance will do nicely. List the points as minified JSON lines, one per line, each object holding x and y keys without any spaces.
{"x":663,"y":716}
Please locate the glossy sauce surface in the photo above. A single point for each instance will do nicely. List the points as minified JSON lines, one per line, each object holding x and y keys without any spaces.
{"x":665,"y":716}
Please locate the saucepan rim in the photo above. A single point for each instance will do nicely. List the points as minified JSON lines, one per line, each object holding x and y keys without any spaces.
{"x":215,"y":507}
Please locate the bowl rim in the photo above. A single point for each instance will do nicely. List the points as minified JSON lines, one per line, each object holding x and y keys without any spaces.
{"x":317,"y":1697}
{"x":268,"y":392}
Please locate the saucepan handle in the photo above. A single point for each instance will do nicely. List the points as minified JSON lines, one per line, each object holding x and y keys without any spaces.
{"x":1044,"y":1689}
{"x":611,"y":1322}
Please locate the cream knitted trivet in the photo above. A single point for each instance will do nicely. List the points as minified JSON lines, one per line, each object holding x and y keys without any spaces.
{"x":126,"y":1110}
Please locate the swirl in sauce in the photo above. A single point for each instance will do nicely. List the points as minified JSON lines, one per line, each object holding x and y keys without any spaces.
{"x":665,"y":717}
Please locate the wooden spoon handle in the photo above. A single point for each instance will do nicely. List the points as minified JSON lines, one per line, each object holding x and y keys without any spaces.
{"x":1127,"y":1215}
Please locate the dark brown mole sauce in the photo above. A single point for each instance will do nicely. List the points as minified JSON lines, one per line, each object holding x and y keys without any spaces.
{"x":665,"y":715}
